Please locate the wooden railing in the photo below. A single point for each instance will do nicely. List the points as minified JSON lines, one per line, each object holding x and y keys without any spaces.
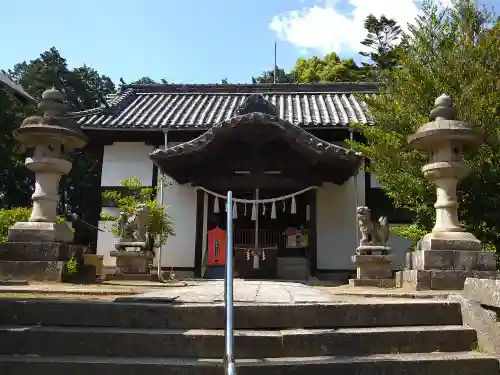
{"x":245,"y":238}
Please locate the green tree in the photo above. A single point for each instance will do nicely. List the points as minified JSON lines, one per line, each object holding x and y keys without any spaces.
{"x":454,"y":51}
{"x":148,"y":81}
{"x":383,"y":42}
{"x":268,"y":77}
{"x":84,"y":88}
{"x":329,"y":69}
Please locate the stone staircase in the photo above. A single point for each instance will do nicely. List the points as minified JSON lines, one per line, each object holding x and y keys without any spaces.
{"x":80,"y":338}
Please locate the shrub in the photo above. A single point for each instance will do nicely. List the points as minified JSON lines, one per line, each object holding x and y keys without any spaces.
{"x":412,"y":232}
{"x":135,"y":194}
{"x":8,"y":217}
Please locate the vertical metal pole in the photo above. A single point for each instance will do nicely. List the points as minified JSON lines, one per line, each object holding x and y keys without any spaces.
{"x":275,"y":63}
{"x":229,"y":364}
{"x":256,"y":239}
{"x":351,"y":138}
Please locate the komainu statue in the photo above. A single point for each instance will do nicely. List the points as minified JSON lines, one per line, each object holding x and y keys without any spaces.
{"x":373,"y":233}
{"x":134,"y":227}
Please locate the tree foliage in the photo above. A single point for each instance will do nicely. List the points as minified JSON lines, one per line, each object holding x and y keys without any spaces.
{"x":160,"y":223}
{"x":382,"y":39}
{"x":454,"y":51}
{"x":8,"y":217}
{"x":328,"y":69}
{"x":268,"y":77}
{"x":83,"y":88}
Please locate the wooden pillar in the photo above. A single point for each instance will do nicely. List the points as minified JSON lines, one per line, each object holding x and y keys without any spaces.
{"x":312,"y":250}
{"x":198,"y":250}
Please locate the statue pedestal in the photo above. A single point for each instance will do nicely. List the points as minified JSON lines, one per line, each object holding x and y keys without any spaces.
{"x":446,"y":267}
{"x":373,"y":267}
{"x":132,"y":262}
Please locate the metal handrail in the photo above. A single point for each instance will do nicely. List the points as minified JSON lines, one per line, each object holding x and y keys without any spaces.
{"x":229,"y":365}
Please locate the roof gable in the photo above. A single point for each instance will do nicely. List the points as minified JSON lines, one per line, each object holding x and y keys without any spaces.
{"x":256,"y":103}
{"x":17,"y":90}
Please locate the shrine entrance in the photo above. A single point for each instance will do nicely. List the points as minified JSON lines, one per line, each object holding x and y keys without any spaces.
{"x":269,"y":164}
{"x":272,"y":239}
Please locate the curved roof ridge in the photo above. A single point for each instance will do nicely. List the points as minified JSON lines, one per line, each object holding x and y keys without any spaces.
{"x":300,"y":135}
{"x":113,"y":103}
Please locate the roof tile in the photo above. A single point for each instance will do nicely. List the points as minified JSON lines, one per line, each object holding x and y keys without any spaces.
{"x":203,"y":106}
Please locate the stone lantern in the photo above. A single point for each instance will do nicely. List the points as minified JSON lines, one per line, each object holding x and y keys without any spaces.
{"x":447,"y":255}
{"x":38,"y":248}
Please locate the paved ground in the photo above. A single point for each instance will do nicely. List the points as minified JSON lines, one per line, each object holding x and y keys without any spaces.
{"x":212,"y":291}
{"x":250,"y":291}
{"x":105,"y":288}
{"x":256,"y":291}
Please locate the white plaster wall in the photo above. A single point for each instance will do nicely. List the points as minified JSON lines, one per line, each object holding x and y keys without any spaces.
{"x":373,"y":181}
{"x":123,"y":160}
{"x":105,"y":239}
{"x":337,"y":231}
{"x":336,"y":226}
{"x":178,"y":251}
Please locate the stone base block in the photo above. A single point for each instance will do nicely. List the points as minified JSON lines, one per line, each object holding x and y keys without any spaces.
{"x":451,"y":260}
{"x":450,"y":241}
{"x":373,"y":250}
{"x":136,"y":262}
{"x":40,"y":232}
{"x":484,"y":291}
{"x":124,"y":245}
{"x":32,"y":270}
{"x":373,"y":270}
{"x":39,"y":251}
{"x":439,"y":279}
{"x":293,"y":268}
{"x":373,"y":266}
{"x":377,"y":283}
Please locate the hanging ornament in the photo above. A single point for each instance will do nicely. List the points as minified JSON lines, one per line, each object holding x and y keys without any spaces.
{"x":284,"y":206}
{"x":248,"y":254}
{"x":293,"y":209}
{"x":273,"y":210}
{"x":245,"y":213}
{"x":263,"y":255}
{"x":235,"y":211}
{"x":263,"y":209}
{"x":254,"y":211}
{"x":216,"y":205}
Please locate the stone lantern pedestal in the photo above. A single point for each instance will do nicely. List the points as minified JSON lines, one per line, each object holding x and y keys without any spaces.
{"x":39,"y":248}
{"x":448,"y":255}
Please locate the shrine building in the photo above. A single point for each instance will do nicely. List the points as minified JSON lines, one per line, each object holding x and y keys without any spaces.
{"x":279,"y":147}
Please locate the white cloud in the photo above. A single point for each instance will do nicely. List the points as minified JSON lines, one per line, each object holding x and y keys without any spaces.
{"x":326,"y":28}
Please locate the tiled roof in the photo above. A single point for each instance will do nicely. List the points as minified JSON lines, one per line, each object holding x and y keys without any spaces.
{"x":8,"y":84}
{"x":203,"y":106}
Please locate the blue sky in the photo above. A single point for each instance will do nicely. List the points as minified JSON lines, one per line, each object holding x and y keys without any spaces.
{"x":188,"y":41}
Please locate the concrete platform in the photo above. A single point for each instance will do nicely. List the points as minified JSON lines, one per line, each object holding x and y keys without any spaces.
{"x":246,"y":291}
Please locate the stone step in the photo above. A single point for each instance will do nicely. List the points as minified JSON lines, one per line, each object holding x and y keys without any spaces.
{"x":211,"y":316}
{"x":37,"y":340}
{"x":468,"y":363}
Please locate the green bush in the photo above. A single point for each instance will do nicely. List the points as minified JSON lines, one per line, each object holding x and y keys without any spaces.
{"x":135,"y":194}
{"x":8,"y":217}
{"x":71,"y":266}
{"x":412,"y":232}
